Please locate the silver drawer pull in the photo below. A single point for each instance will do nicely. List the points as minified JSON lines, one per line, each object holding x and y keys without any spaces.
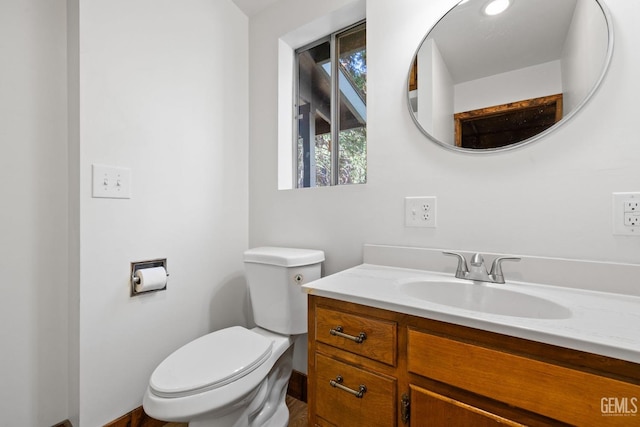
{"x":338,"y":331}
{"x":337,"y":383}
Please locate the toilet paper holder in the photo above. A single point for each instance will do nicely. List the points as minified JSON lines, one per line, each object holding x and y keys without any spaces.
{"x":139,"y":265}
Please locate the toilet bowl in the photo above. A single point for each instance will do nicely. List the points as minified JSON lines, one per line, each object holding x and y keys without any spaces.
{"x":238,"y":377}
{"x":201,"y":385}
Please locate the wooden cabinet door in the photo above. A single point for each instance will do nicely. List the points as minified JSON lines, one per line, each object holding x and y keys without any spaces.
{"x":429,"y":409}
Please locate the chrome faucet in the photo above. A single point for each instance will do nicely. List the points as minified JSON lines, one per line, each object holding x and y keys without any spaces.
{"x":478,"y":271}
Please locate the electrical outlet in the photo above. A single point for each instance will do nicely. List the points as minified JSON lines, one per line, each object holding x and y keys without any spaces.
{"x":632,"y":205}
{"x":626,"y":214}
{"x":420,"y":212}
{"x":631,"y":219}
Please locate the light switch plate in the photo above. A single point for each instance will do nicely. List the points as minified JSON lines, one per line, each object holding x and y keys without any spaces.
{"x":111,"y":182}
{"x":626,"y":214}
{"x":420,"y":212}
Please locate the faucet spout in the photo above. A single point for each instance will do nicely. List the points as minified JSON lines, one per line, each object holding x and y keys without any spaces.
{"x":478,"y":271}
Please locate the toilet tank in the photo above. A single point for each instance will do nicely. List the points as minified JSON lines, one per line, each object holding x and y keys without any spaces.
{"x":274,"y":276}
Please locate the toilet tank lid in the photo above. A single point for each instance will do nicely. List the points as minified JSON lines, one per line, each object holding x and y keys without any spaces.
{"x":283,"y":257}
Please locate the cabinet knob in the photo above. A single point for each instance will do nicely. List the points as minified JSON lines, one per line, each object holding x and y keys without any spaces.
{"x":338,"y":331}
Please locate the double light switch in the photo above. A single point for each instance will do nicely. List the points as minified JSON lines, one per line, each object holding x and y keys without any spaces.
{"x":111,"y":182}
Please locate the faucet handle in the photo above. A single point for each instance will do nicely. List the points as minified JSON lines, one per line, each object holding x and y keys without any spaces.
{"x":496,"y":268}
{"x":462,"y":270}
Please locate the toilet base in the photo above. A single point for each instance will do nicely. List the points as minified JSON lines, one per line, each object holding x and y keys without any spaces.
{"x":267,"y":407}
{"x":279,"y":419}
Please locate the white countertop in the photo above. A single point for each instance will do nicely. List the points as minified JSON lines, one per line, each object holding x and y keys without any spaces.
{"x":602,"y":323}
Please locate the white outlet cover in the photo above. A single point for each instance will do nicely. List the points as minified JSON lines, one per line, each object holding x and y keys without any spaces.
{"x":620,"y":202}
{"x":420,"y":212}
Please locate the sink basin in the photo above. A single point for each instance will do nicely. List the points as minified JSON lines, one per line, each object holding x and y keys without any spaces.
{"x":483,"y":298}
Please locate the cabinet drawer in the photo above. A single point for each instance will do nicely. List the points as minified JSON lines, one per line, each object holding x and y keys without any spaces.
{"x":554,"y":391}
{"x":376,"y":407}
{"x":380,"y":341}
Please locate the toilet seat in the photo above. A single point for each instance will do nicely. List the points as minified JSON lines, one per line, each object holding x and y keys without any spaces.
{"x":209,"y":362}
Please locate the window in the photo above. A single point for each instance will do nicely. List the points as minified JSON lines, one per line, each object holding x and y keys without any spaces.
{"x":331,"y":93}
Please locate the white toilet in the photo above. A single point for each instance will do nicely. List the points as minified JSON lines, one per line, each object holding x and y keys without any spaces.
{"x":238,"y":377}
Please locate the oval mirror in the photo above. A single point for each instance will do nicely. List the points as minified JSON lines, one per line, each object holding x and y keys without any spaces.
{"x":485,"y":79}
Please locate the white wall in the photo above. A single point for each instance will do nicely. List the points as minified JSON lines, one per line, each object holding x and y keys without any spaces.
{"x":582,"y":55}
{"x":270,"y":33}
{"x":443,"y":99}
{"x":163,"y":91}
{"x":73,"y":185}
{"x":33,"y":214}
{"x":552,"y":198}
{"x":435,"y":93}
{"x":156,"y":86}
{"x":526,"y":83}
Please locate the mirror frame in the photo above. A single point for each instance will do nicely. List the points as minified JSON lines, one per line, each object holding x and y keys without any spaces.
{"x":544,"y":133}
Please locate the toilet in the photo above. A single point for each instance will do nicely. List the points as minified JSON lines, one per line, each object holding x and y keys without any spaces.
{"x":238,"y":377}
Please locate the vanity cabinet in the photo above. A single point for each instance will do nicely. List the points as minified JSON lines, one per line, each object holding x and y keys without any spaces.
{"x":354,"y":361}
{"x":374,"y":367}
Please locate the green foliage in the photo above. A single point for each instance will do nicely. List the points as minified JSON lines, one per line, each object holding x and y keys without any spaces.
{"x":353,"y":142}
{"x":353,"y":156}
{"x":356,"y":65}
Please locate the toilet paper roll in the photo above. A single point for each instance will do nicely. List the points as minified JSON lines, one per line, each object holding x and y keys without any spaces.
{"x":151,"y":279}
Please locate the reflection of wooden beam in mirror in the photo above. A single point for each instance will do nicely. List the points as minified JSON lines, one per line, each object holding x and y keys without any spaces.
{"x":413,"y":75}
{"x":506,"y":124}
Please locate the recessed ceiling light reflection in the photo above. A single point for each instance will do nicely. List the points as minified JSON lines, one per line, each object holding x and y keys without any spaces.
{"x":496,"y":7}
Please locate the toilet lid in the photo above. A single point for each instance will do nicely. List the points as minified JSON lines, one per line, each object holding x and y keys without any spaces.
{"x":209,"y":362}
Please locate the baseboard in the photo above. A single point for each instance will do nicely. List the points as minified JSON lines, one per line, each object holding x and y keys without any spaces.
{"x":65,"y":423}
{"x":138,"y":418}
{"x":298,"y":386}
